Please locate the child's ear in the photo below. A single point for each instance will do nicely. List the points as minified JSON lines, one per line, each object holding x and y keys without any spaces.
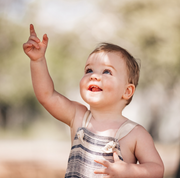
{"x":130,"y":89}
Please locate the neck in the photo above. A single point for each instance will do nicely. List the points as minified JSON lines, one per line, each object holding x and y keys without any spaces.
{"x":106,"y":115}
{"x":105,"y":122}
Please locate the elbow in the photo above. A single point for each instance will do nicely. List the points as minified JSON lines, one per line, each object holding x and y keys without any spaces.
{"x":160,"y":171}
{"x":42,"y":101}
{"x":157,"y":171}
{"x":43,"y":98}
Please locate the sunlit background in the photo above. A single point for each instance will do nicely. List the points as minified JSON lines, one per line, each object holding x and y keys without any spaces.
{"x":35,"y":145}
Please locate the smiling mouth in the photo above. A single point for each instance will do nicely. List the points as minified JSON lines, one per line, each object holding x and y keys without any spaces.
{"x":94,"y":88}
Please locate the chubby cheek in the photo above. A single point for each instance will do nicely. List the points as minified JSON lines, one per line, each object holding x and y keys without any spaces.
{"x":82,"y":86}
{"x":113,"y":88}
{"x":82,"y":83}
{"x":109,"y":85}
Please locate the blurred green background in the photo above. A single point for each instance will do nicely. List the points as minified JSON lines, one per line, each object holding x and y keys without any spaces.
{"x":31,"y":139}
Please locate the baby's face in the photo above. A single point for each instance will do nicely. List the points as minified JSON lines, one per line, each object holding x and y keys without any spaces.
{"x":105,"y":79}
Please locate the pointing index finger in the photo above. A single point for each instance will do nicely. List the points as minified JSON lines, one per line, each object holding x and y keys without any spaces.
{"x":32,"y":31}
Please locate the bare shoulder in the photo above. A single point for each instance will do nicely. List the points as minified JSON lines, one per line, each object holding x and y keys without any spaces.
{"x":130,"y":142}
{"x":141,"y":133}
{"x":141,"y":137}
{"x":137,"y":134}
{"x":79,"y":114}
{"x":145,"y":150}
{"x":78,"y":118}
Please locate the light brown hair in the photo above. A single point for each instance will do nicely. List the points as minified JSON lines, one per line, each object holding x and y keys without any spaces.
{"x":133,"y":68}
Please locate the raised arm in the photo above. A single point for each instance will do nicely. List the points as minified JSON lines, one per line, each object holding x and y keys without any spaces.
{"x":55,"y":103}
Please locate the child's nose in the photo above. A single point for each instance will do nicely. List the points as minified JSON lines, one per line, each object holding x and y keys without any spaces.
{"x":95,"y":77}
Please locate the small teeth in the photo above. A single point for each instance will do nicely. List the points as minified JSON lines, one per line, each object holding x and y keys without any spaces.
{"x":94,"y":87}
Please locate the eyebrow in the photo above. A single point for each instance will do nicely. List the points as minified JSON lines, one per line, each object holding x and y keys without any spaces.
{"x":110,"y":66}
{"x":104,"y":65}
{"x":86,"y":65}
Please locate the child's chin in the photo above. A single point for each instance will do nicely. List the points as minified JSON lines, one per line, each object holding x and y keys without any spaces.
{"x":92,"y":98}
{"x":94,"y":103}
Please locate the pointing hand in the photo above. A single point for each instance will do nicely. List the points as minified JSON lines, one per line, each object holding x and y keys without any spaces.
{"x":34,"y":48}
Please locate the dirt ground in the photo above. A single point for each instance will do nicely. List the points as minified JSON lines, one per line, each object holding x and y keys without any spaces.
{"x":33,"y":159}
{"x":48,"y":159}
{"x":29,"y":170}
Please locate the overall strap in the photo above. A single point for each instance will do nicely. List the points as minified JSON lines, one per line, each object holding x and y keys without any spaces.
{"x":125,"y":128}
{"x":87,"y":118}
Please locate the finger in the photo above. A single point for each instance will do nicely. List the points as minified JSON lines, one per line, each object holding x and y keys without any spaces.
{"x":34,"y":44}
{"x":100,"y":171}
{"x":45,"y":39}
{"x":34,"y":38}
{"x":32,"y":31}
{"x":115,"y":156}
{"x":102,"y":162}
{"x":26,"y":45}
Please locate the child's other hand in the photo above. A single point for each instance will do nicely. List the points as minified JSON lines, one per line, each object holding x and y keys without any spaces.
{"x":34,"y":48}
{"x":115,"y":170}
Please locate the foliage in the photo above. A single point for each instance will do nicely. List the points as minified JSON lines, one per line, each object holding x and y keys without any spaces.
{"x":149,"y":29}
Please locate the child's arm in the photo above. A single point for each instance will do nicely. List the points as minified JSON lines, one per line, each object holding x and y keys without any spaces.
{"x":55,"y":103}
{"x":150,"y":164}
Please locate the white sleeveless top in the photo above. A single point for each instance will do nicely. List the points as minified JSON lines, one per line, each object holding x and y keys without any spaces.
{"x":88,"y":146}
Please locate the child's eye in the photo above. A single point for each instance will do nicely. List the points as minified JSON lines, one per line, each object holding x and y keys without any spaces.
{"x":106,"y":71}
{"x":89,"y":71}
